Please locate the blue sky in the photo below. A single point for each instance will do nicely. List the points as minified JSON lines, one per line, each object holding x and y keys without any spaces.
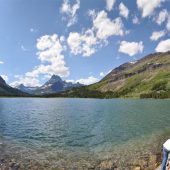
{"x":80,"y":40}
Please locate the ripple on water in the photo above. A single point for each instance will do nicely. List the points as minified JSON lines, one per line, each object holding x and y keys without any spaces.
{"x":89,"y":130}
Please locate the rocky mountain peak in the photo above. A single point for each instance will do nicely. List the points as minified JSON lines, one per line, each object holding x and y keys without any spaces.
{"x":20,"y":86}
{"x":2,"y":81}
{"x":54,"y":79}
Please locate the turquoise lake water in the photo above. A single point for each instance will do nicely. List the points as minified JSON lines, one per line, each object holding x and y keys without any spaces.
{"x":92,"y":129}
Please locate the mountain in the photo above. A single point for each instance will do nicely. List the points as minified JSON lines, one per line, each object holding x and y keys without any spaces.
{"x":147,"y":77}
{"x":2,"y":81}
{"x":29,"y":90}
{"x":6,"y":90}
{"x":54,"y":85}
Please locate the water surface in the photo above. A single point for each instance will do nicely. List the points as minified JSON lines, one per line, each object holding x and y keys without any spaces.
{"x":73,"y":130}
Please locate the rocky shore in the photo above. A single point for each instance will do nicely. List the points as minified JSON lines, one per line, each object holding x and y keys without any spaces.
{"x":168,"y":165}
{"x":12,"y":165}
{"x":12,"y":160}
{"x":145,"y":163}
{"x":13,"y":157}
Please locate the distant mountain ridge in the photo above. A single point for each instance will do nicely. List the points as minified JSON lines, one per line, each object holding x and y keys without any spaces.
{"x":6,"y":90}
{"x":53,"y":85}
{"x":147,"y":77}
{"x":29,"y":90}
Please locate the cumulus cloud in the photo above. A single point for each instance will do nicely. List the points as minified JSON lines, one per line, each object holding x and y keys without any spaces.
{"x":82,"y":43}
{"x":157,"y":35}
{"x":123,"y":10}
{"x":163,"y":46}
{"x":5,"y":77}
{"x":87,"y":42}
{"x":51,"y":57}
{"x":148,"y":6}
{"x":110,"y":4}
{"x":88,"y":81}
{"x":1,"y":62}
{"x":131,"y":48}
{"x":70,"y":11}
{"x":91,"y":13}
{"x":50,"y":54}
{"x":135,"y":20}
{"x":105,"y":27}
{"x":161,"y":17}
{"x":26,"y":81}
{"x":85,"y":81}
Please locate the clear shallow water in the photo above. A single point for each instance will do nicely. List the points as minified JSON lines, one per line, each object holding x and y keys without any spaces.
{"x":79,"y":129}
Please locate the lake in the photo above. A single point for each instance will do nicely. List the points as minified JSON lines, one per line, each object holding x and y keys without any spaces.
{"x":83,"y":133}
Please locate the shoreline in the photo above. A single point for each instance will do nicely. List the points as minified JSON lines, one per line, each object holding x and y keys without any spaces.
{"x":13,"y":163}
{"x":14,"y":158}
{"x":43,"y":97}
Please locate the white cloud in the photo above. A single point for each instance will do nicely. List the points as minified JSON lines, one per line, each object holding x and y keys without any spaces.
{"x":46,"y":77}
{"x":85,"y":81}
{"x":82,"y":43}
{"x":70,"y":11}
{"x":70,"y":81}
{"x":148,"y":6}
{"x":163,"y":46}
{"x":105,"y":27}
{"x":91,"y":13}
{"x":5,"y":77}
{"x":1,"y":62}
{"x":62,"y":38}
{"x":50,"y":49}
{"x":168,"y":23}
{"x":161,"y":17}
{"x":123,"y":10}
{"x":131,"y":48}
{"x":33,"y":30}
{"x":127,"y":32}
{"x":135,"y":20}
{"x":157,"y":35}
{"x":88,"y":81}
{"x":23,"y":48}
{"x":26,"y":81}
{"x":102,"y":74}
{"x":50,"y":54}
{"x":110,"y":4}
{"x":74,"y":41}
{"x":87,"y":42}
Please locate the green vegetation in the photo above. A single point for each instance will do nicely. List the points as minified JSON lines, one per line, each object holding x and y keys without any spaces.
{"x":156,"y":95}
{"x":161,"y":85}
{"x":147,"y":78}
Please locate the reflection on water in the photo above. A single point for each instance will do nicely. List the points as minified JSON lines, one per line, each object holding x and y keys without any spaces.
{"x":88,"y":129}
